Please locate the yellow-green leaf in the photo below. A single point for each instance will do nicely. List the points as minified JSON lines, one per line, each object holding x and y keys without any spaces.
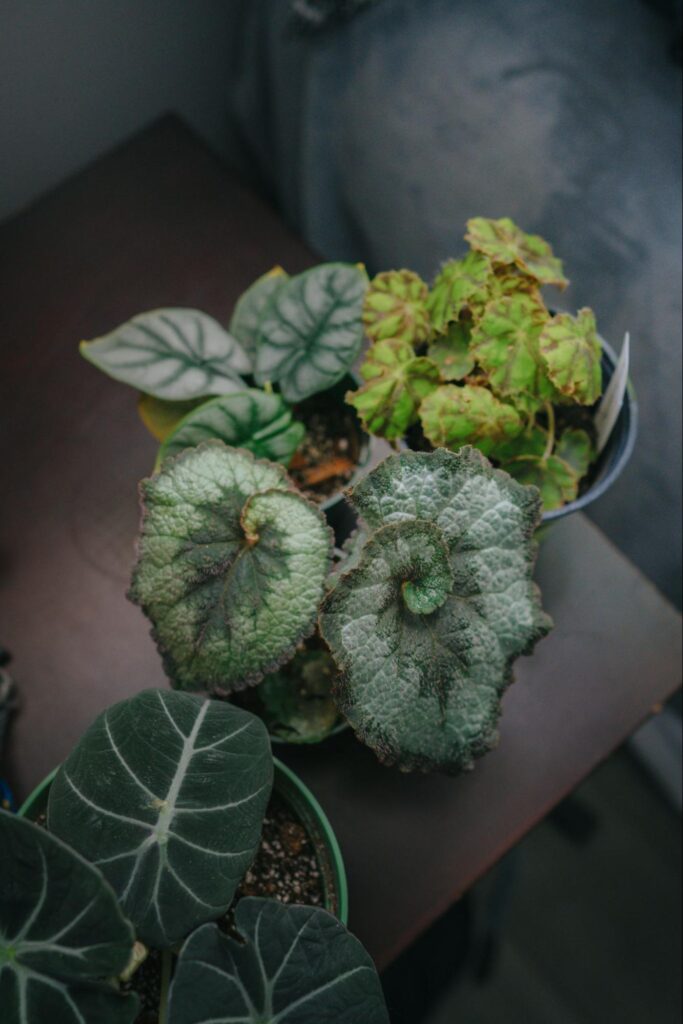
{"x":451,"y":352}
{"x":395,"y":307}
{"x":453,"y":416}
{"x":397,"y":381}
{"x":571,"y":350}
{"x":504,"y":243}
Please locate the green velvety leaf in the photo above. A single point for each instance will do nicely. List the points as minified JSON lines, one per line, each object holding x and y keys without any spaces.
{"x":451,"y":352}
{"x":259,"y":421}
{"x":397,"y":381}
{"x":62,"y":934}
{"x":294,"y":965}
{"x":161,"y":417}
{"x":423,"y":689}
{"x":165,"y":793}
{"x":576,"y":448}
{"x":504,"y":243}
{"x":571,"y":350}
{"x":231,"y":566}
{"x":297,"y":700}
{"x":461,"y":285}
{"x":557,"y":481}
{"x":395,"y":306}
{"x":174,"y":354}
{"x":453,"y":416}
{"x":312,"y":330}
{"x":505,"y":343}
{"x":251,"y":307}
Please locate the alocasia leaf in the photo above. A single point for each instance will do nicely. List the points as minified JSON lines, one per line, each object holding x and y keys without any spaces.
{"x":460,"y":285}
{"x":161,"y":417}
{"x":312,"y":330}
{"x":557,"y":481}
{"x":396,"y":382}
{"x":251,"y":307}
{"x":395,"y":307}
{"x":231,"y":566}
{"x":571,"y":350}
{"x":422,"y":676}
{"x":293,"y":965}
{"x":256,"y":420}
{"x":451,"y":352}
{"x":165,"y":793}
{"x":505,"y":343}
{"x":174,"y":354}
{"x":453,"y":416}
{"x":576,"y":448}
{"x":62,"y":934}
{"x":504,"y":243}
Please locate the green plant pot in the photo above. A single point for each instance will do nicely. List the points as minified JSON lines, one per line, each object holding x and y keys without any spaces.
{"x":299,"y":797}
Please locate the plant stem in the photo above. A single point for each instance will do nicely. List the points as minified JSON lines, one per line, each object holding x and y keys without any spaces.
{"x":166,"y":964}
{"x":550,"y":413}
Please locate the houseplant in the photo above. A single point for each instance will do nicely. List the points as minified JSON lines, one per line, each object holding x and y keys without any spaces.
{"x":479,"y":359}
{"x":151,"y":822}
{"x":424,"y":617}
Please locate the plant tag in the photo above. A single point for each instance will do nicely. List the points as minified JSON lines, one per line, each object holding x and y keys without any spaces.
{"x":613,"y":399}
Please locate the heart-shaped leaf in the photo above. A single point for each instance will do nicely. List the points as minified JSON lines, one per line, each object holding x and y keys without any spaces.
{"x":251,"y":307}
{"x":174,"y":354}
{"x":557,"y":481}
{"x":395,"y":307}
{"x":231,"y":566}
{"x":571,"y":350}
{"x":423,"y":675}
{"x":160,"y":417}
{"x":453,"y":416}
{"x":451,"y":352}
{"x":259,"y":421}
{"x":62,"y":934}
{"x":397,"y":381}
{"x":460,"y":286}
{"x":504,"y":243}
{"x":505,"y":343}
{"x":312,"y":330}
{"x":294,"y":965}
{"x":165,"y":793}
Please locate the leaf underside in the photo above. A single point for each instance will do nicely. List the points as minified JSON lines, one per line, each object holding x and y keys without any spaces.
{"x":173,"y":354}
{"x":424,"y":690}
{"x":231,"y":566}
{"x":165,"y":794}
{"x":294,"y":965}
{"x":62,"y":934}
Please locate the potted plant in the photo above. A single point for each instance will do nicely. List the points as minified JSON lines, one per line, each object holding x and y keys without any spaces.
{"x":424,"y":617}
{"x":120,"y":905}
{"x":479,"y":359}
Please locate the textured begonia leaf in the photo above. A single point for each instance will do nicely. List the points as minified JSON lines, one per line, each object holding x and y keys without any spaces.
{"x":423,"y":690}
{"x":259,"y":421}
{"x":297,"y":699}
{"x":557,"y":481}
{"x":161,"y":417}
{"x":453,"y":416}
{"x":174,"y":354}
{"x":294,"y":965}
{"x":505,"y":343}
{"x":395,"y":306}
{"x":397,"y":381}
{"x":451,"y":352}
{"x":571,"y":350}
{"x":165,"y":793}
{"x":231,"y":566}
{"x":504,"y":243}
{"x":461,"y":285}
{"x":312,"y":330}
{"x":576,"y":448}
{"x":251,"y":308}
{"x":62,"y":934}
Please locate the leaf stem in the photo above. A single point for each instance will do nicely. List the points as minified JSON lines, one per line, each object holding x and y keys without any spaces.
{"x":550,"y":444}
{"x":166,"y":965}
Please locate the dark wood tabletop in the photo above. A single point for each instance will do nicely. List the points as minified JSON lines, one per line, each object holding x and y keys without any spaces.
{"x":160,"y":222}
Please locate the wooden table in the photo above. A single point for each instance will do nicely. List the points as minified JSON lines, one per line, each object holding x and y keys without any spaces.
{"x":160,"y":222}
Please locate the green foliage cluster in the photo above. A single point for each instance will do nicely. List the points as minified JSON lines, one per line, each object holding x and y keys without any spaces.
{"x":478,"y":359}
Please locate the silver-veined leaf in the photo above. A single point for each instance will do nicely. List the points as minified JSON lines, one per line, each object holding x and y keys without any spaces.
{"x":251,"y":307}
{"x":312,"y":330}
{"x":165,"y":793}
{"x":62,"y":934}
{"x":231,"y":566}
{"x":174,"y":354}
{"x":294,"y":965}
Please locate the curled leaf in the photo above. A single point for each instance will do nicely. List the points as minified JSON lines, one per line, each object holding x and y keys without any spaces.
{"x":174,"y":354}
{"x":453,"y":416}
{"x":231,"y":566}
{"x":259,"y":421}
{"x":504,"y":243}
{"x":312,"y":330}
{"x":451,"y":352}
{"x":251,"y":308}
{"x":505,"y":343}
{"x":460,"y":286}
{"x":395,"y":307}
{"x":421,"y":679}
{"x":397,"y":381}
{"x":571,"y":350}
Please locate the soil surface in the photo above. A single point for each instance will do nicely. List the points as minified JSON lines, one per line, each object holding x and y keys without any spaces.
{"x":328,"y":455}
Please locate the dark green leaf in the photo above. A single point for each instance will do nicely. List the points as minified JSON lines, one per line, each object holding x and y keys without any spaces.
{"x":451,"y":352}
{"x":297,"y":700}
{"x":557,"y":481}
